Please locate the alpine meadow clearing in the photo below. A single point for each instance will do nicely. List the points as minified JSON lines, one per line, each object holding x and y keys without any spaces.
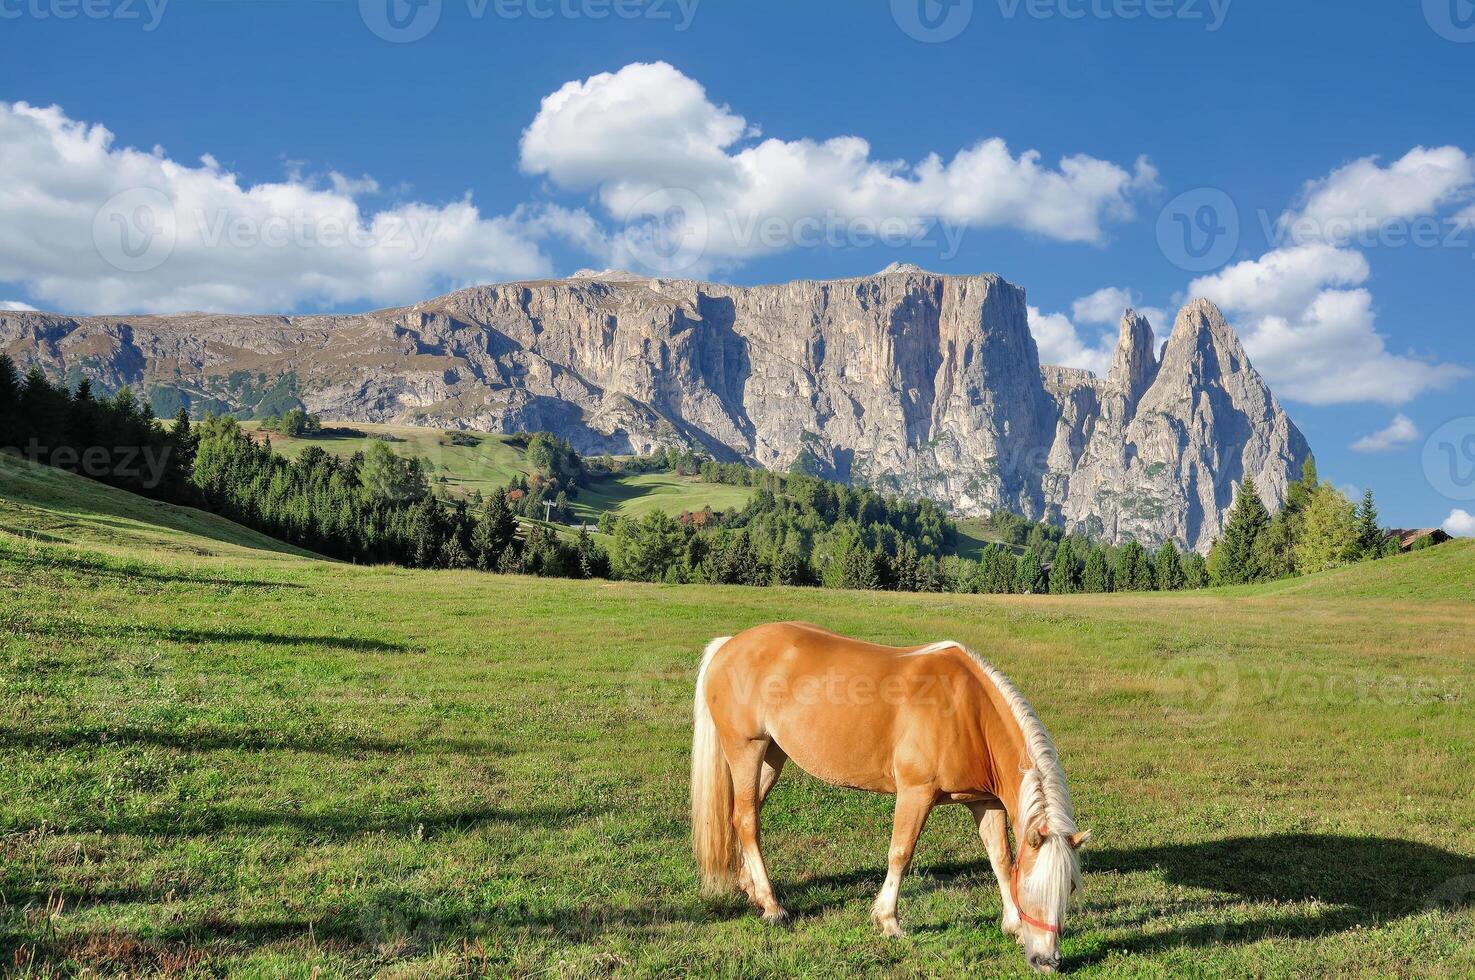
{"x":219,"y":755}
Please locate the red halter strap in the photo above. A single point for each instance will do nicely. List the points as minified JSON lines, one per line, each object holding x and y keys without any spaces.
{"x":1014,"y":894}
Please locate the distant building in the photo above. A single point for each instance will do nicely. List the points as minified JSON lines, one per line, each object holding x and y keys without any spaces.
{"x":513,"y":495}
{"x":1408,"y":538}
{"x":699,"y":518}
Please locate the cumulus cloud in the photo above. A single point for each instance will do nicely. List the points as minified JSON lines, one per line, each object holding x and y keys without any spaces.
{"x":653,"y":148}
{"x":92,"y":226}
{"x":1313,"y":336}
{"x":15,"y":305}
{"x":1060,"y":343}
{"x":1363,"y":197}
{"x":1064,"y":340}
{"x":1400,"y":432}
{"x":1460,"y":524}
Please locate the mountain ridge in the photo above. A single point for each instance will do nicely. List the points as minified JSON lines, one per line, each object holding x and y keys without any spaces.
{"x":907,"y":380}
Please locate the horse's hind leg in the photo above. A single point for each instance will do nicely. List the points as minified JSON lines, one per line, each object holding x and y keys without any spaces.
{"x":773,"y":765}
{"x":995,"y":834}
{"x":912,"y":807}
{"x":745,"y":759}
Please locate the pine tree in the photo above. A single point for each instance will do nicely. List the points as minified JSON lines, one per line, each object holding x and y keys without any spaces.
{"x":9,"y":403}
{"x":1133,"y":570}
{"x":1168,"y":568}
{"x":1195,"y":571}
{"x":453,"y":554}
{"x":1235,"y":558}
{"x":1063,"y":578}
{"x":1029,"y":574}
{"x":1369,"y":533}
{"x":1095,"y":577}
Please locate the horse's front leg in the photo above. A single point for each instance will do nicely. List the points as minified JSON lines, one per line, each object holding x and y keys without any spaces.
{"x":913,"y":804}
{"x":995,"y":834}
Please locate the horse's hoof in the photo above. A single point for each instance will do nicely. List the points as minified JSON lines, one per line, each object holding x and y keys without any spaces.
{"x":776,"y":918}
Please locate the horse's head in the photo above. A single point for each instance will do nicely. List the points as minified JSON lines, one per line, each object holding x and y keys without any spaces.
{"x":1047,"y":873}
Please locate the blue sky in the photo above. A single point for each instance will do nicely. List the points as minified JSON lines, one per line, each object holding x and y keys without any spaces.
{"x":303,"y":109}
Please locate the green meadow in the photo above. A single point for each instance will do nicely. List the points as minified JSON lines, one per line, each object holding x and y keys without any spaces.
{"x":222,"y":756}
{"x":487,"y":462}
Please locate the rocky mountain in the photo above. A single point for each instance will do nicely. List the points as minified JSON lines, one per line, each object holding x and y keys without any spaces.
{"x":913,"y":382}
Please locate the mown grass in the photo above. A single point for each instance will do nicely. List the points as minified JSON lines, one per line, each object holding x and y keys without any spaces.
{"x":641,"y":493}
{"x":217,"y":761}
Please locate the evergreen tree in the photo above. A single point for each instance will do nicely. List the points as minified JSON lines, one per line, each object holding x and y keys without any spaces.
{"x":454,"y":554}
{"x":1235,"y":558}
{"x":1095,"y":577}
{"x":1195,"y":571}
{"x":1063,"y":577}
{"x":1369,"y":532}
{"x":1168,"y":568}
{"x":1133,"y":570}
{"x":9,"y":403}
{"x":858,"y":569}
{"x":1029,"y":574}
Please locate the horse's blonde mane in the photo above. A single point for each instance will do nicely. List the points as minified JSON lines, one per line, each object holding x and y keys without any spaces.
{"x":1044,"y":799}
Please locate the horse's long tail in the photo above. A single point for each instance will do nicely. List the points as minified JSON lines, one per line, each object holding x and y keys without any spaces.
{"x":713,"y":840}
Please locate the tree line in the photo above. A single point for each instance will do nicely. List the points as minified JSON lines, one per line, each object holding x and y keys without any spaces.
{"x":377,"y":506}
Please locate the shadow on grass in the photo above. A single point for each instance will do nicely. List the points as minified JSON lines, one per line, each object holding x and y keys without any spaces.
{"x":103,"y":567}
{"x":330,"y":827}
{"x":275,"y":739}
{"x":180,"y":634}
{"x":1362,"y":881}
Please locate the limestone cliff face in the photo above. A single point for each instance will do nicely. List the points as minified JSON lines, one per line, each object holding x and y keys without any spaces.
{"x":913,"y":382}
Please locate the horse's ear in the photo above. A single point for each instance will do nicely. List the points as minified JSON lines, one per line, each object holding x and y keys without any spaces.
{"x":1078,"y":839}
{"x":1034,"y":839}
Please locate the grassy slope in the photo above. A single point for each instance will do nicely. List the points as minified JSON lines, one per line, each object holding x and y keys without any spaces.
{"x":641,"y":493}
{"x":49,"y":505}
{"x":496,"y":462}
{"x":286,"y":766}
{"x":492,"y":464}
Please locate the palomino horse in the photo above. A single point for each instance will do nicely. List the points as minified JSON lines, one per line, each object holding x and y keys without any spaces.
{"x":932,"y":724}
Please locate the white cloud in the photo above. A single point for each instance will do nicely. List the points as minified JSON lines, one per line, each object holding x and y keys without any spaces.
{"x":15,"y":305}
{"x":1363,"y":197}
{"x":1284,"y":280}
{"x":1313,"y":338}
{"x":1460,"y":524}
{"x":1060,"y":343}
{"x":1106,"y":306}
{"x":235,"y":246}
{"x":1400,"y":432}
{"x":646,"y":140}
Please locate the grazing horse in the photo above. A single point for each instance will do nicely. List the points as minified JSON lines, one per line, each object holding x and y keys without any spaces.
{"x":932,"y":724}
